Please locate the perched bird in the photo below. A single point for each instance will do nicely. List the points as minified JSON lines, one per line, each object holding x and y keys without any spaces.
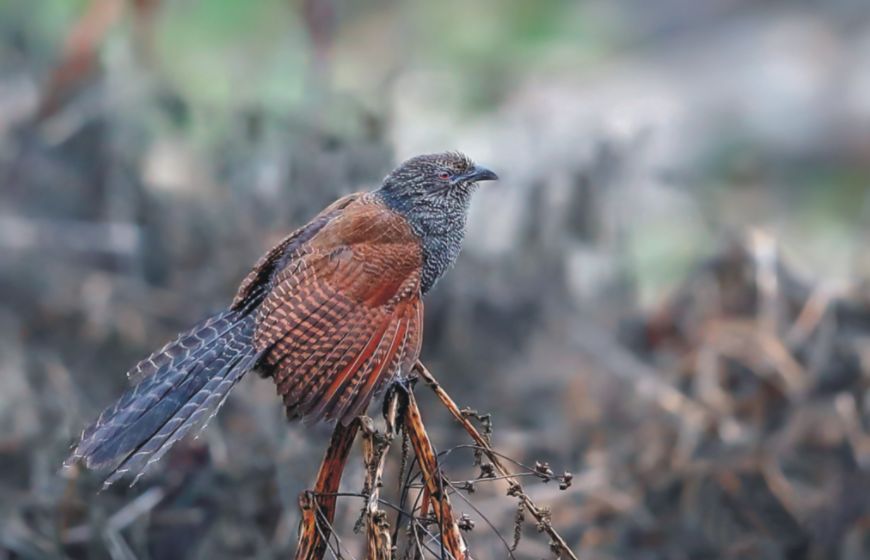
{"x":332,"y":314}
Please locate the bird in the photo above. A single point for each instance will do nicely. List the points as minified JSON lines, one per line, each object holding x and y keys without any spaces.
{"x":332,"y":314}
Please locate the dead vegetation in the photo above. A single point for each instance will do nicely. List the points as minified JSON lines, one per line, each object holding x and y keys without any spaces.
{"x":729,"y":420}
{"x":423,"y":513}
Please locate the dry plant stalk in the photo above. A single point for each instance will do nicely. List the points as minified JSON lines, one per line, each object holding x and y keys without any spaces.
{"x":452,"y":540}
{"x":376,"y":445}
{"x":318,"y":506}
{"x":401,"y":412}
{"x":558,"y":544}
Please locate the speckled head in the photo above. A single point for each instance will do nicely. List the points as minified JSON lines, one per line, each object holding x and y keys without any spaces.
{"x":433,"y":192}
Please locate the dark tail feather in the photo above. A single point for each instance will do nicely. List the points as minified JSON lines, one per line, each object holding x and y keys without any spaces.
{"x":184,"y":344}
{"x":186,"y":383}
{"x":162,"y":370}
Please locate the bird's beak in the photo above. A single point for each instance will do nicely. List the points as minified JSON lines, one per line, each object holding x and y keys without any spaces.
{"x":480,"y":173}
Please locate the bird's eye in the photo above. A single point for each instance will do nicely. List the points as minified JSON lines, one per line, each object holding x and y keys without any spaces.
{"x":443,"y":175}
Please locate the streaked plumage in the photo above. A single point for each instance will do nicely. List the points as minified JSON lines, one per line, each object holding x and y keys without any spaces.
{"x":332,"y":313}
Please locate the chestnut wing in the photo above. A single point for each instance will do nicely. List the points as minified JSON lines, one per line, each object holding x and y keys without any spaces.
{"x":345,"y":315}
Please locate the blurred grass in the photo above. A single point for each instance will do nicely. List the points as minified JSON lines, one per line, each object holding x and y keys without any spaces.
{"x":225,"y":52}
{"x":626,"y":140}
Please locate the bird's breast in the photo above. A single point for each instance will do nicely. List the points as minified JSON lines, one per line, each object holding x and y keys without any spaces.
{"x":438,"y":221}
{"x":439,"y":254}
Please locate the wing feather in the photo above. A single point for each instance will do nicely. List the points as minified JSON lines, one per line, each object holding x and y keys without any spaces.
{"x":342,"y":386}
{"x":343,"y":316}
{"x":387,"y":367}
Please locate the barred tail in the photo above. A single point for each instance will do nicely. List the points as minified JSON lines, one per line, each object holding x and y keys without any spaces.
{"x":182,"y":385}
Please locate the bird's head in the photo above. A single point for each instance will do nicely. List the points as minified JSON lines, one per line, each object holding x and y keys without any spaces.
{"x":437,"y":180}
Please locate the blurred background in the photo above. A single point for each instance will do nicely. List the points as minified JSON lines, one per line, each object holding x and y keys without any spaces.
{"x":667,"y":294}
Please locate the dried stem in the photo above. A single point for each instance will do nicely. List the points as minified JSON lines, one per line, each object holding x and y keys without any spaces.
{"x":560,"y":547}
{"x":318,"y":506}
{"x":451,"y":539}
{"x":376,"y":445}
{"x":402,"y":413}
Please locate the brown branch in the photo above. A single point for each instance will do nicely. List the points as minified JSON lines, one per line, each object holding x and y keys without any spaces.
{"x":814,"y":310}
{"x":318,"y":506}
{"x":401,"y":411}
{"x":424,"y":502}
{"x":451,"y":539}
{"x":376,"y":445}
{"x":78,"y":60}
{"x":542,"y":516}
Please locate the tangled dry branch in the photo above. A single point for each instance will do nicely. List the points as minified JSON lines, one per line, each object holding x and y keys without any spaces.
{"x":434,"y":530}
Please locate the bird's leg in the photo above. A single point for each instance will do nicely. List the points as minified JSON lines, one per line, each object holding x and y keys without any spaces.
{"x":393,"y":406}
{"x":318,"y":506}
{"x":541,"y":515}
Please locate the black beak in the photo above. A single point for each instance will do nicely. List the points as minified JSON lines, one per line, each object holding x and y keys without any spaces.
{"x":480,"y":173}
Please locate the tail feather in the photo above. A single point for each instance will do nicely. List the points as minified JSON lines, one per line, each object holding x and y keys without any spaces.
{"x":141,"y":404}
{"x":119,"y":439}
{"x":178,"y":393}
{"x":176,"y":351}
{"x":157,"y":375}
{"x":199,"y":409}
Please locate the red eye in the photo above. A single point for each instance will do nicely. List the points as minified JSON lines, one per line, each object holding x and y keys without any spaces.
{"x":443,"y":175}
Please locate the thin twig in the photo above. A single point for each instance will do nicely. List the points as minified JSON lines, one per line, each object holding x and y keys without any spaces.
{"x":514,"y":487}
{"x":484,"y":517}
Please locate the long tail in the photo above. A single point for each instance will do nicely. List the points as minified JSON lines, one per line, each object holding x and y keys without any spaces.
{"x":180,"y":386}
